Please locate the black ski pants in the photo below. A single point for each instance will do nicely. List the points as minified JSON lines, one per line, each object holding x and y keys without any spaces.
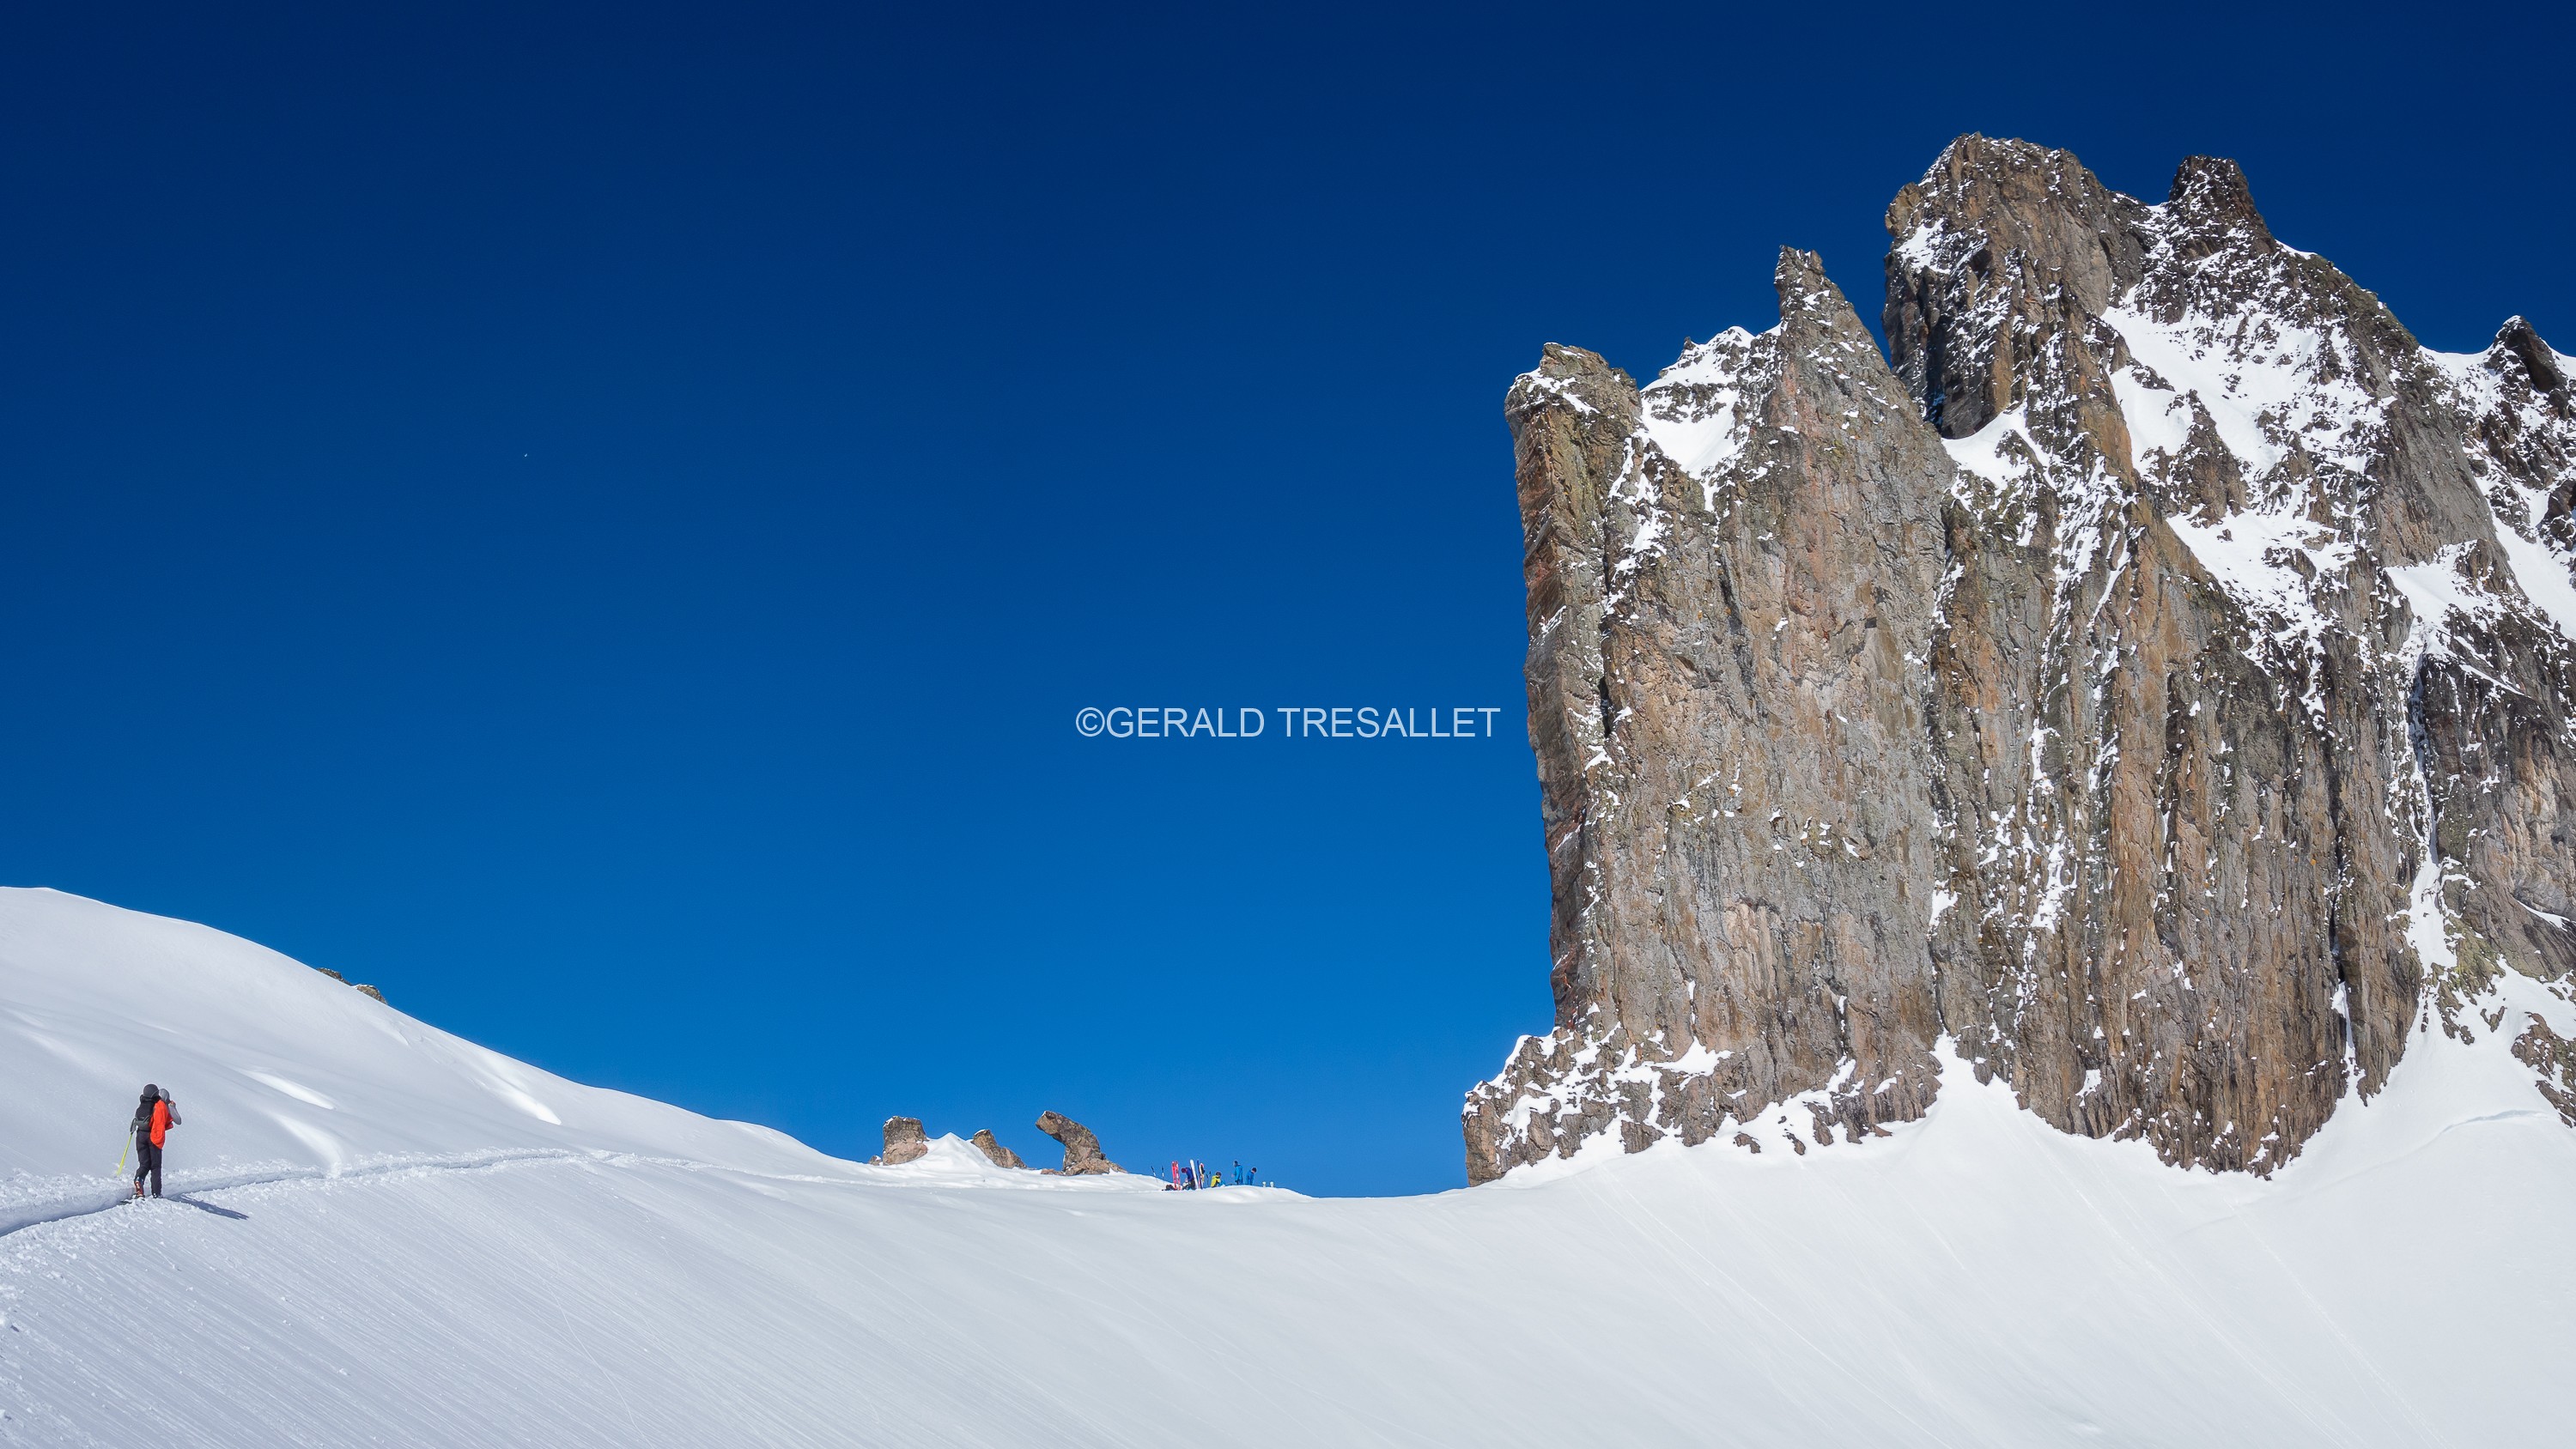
{"x":147,"y":1159}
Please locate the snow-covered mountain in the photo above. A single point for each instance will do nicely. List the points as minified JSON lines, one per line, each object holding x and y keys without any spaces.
{"x":2157,"y":676}
{"x":386,"y":1235}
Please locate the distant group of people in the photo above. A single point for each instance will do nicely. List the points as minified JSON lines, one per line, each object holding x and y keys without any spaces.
{"x":153,"y":1118}
{"x":1190,"y":1176}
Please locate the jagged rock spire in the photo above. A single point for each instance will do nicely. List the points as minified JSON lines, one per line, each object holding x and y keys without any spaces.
{"x":2106,"y":683}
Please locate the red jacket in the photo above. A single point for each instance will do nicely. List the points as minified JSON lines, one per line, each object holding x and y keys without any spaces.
{"x":161,"y":1120}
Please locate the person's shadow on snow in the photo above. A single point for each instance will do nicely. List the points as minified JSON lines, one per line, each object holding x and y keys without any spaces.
{"x":207,"y":1207}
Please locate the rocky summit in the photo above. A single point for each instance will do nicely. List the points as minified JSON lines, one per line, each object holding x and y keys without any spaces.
{"x":2149,"y":680}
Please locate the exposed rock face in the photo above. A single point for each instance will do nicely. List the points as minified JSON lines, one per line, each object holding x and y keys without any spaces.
{"x":2554,"y":1058}
{"x":2089,"y":686}
{"x":1081,"y":1149}
{"x":993,"y":1150}
{"x":904,"y":1142}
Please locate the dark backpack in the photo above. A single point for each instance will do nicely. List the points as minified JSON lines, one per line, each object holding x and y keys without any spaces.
{"x":143,"y":1123}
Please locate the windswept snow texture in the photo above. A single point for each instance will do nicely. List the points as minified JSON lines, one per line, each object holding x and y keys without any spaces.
{"x":411,"y":1255}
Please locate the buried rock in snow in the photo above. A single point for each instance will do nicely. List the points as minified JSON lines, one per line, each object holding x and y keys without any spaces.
{"x":1081,"y":1148}
{"x":903,"y":1141}
{"x":352,"y":985}
{"x":985,"y":1142}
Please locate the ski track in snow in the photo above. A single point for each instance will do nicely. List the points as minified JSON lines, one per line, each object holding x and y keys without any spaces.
{"x":32,"y":1212}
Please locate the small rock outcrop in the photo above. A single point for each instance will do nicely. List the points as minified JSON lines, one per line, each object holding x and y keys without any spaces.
{"x":352,"y":985}
{"x":1081,"y":1149}
{"x":904,"y":1141}
{"x":994,"y":1152}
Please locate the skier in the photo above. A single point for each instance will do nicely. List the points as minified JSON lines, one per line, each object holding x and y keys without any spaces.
{"x":154,"y":1116}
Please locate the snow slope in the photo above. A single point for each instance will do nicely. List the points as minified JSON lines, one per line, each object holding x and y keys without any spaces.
{"x":276,"y":1067}
{"x":410,"y":1252}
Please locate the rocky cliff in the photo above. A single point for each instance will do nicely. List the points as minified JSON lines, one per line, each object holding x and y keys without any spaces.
{"x":2157,"y":681}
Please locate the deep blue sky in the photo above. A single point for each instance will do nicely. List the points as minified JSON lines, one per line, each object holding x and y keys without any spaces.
{"x":599,"y":522}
